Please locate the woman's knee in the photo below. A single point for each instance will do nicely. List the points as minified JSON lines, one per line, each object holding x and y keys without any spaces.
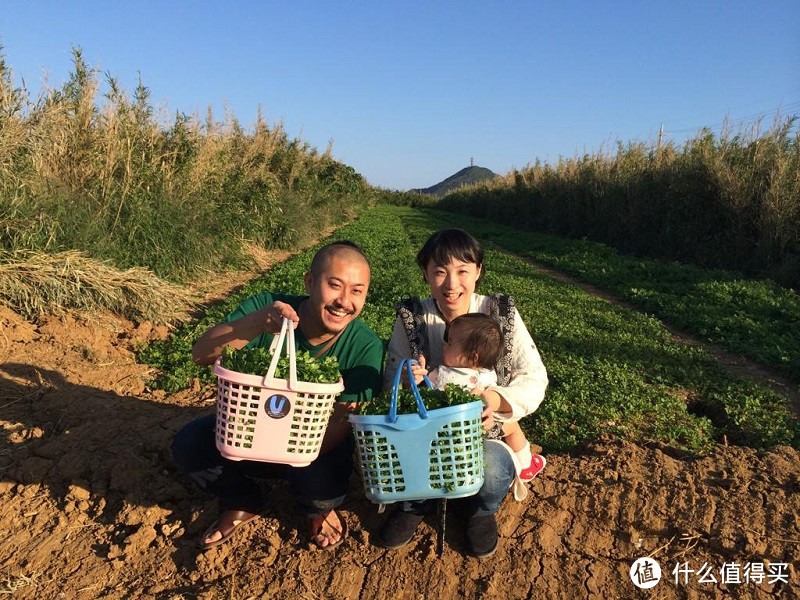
{"x":499,"y":468}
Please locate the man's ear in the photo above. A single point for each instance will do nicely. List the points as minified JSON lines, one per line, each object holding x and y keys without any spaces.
{"x":308,"y":281}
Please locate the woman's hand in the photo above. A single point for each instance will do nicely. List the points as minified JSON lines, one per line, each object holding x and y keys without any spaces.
{"x":418,"y":370}
{"x":491,"y":403}
{"x":273,"y":315}
{"x":487,"y":418}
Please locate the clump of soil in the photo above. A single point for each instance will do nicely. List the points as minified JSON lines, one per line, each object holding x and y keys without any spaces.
{"x":91,"y":506}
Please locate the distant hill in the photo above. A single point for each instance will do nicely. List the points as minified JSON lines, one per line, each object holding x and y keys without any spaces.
{"x":466,"y":176}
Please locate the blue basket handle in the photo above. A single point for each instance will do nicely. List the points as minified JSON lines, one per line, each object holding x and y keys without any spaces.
{"x":408,"y":363}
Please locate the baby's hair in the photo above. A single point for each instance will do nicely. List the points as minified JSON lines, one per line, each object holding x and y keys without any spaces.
{"x":483,"y":338}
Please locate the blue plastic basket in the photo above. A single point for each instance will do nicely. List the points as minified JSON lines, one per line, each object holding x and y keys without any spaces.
{"x":432,"y":454}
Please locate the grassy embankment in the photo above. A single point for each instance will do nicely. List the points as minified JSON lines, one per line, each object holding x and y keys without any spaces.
{"x":104,"y":178}
{"x":613,"y":371}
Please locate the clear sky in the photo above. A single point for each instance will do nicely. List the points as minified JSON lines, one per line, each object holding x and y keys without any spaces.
{"x":410,"y":91}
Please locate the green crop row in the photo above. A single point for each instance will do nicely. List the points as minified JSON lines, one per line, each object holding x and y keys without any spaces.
{"x":757,"y":319}
{"x":612,"y":370}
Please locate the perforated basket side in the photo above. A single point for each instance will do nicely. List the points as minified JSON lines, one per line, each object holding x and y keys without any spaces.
{"x":272,"y":425}
{"x":415,"y":459}
{"x":309,"y":422}
{"x":456,"y":456}
{"x":237,"y":414}
{"x":380,"y":465}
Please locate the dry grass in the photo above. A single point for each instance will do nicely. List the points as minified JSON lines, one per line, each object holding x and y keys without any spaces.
{"x":37,"y":283}
{"x":89,"y":167}
{"x":9,"y":584}
{"x":725,"y":201}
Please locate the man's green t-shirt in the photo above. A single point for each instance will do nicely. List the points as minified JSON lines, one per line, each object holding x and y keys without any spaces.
{"x":359,"y":350}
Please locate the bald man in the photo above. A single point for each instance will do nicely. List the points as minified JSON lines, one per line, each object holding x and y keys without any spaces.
{"x":326,"y":324}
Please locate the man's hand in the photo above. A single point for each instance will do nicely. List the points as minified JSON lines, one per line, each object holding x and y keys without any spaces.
{"x":274,"y":314}
{"x":239,"y":332}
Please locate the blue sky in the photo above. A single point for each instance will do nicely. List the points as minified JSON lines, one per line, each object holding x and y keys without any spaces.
{"x":410,"y":91}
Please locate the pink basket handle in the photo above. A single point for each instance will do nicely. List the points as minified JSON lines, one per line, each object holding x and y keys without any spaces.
{"x":269,"y":378}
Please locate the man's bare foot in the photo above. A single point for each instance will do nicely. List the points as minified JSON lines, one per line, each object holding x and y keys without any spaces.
{"x":327,"y":530}
{"x":224,"y":527}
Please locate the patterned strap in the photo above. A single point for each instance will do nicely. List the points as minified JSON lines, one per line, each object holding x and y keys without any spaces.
{"x":502,"y":310}
{"x":410,"y":313}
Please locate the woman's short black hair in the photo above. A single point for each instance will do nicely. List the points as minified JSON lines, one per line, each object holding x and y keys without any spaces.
{"x":447,"y":244}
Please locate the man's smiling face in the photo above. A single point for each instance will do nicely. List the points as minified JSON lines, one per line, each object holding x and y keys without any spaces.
{"x":337,"y":289}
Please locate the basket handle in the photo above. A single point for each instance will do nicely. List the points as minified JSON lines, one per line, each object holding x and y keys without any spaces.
{"x":408,"y":363}
{"x":277,"y":350}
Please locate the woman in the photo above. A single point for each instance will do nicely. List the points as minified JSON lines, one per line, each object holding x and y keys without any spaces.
{"x":452,"y":265}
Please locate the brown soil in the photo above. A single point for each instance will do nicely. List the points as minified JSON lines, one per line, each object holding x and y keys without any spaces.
{"x":91,"y":506}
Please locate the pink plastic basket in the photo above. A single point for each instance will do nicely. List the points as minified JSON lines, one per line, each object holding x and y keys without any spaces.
{"x":272,"y":420}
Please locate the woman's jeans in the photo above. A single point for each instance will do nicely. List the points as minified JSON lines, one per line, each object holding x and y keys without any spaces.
{"x":319,"y":487}
{"x":499,"y":473}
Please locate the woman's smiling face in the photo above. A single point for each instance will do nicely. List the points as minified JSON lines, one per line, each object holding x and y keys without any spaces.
{"x":452,"y":286}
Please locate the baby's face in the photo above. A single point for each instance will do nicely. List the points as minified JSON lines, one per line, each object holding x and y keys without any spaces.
{"x":453,"y":355}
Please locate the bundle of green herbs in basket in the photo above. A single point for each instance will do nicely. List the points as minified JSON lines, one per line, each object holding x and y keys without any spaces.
{"x":419,"y":443}
{"x":280,"y":416}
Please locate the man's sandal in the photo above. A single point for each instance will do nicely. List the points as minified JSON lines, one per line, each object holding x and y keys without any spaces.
{"x":315,"y":525}
{"x":227,"y":524}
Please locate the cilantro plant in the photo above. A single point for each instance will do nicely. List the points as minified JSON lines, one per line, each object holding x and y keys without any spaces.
{"x":612,"y":371}
{"x":451,"y":395}
{"x":256,"y":361}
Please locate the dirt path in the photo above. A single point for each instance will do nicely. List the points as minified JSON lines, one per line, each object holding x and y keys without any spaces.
{"x":737,"y":365}
{"x":91,"y":507}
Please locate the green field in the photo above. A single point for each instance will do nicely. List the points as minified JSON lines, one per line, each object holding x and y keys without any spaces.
{"x":612,"y":371}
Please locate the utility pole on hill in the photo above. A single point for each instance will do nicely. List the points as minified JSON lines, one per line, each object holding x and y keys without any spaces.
{"x":471,"y":162}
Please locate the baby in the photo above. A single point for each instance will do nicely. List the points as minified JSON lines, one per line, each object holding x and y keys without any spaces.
{"x":471,"y":350}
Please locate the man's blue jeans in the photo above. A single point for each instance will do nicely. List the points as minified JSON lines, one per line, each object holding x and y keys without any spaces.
{"x":499,"y":473}
{"x":319,"y":487}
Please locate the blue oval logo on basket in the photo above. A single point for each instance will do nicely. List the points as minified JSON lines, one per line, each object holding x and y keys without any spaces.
{"x":277,"y":406}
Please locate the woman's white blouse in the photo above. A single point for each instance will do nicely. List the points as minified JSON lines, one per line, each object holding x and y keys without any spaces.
{"x":525,"y":391}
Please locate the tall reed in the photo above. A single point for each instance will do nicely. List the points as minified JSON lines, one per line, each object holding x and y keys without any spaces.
{"x":88,"y":167}
{"x":728,"y":201}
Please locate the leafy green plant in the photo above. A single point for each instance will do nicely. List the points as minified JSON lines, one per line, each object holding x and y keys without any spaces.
{"x":256,"y":361}
{"x":451,"y":395}
{"x":757,"y":319}
{"x":613,"y":371}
